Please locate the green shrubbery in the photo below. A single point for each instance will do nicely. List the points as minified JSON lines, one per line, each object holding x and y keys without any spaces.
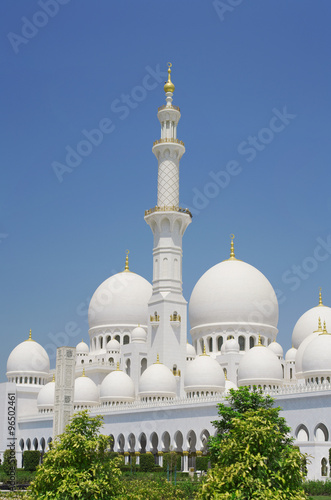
{"x":172,"y":459}
{"x":318,"y":487}
{"x":202,"y":462}
{"x":31,"y":459}
{"x":9,"y":462}
{"x":147,"y":462}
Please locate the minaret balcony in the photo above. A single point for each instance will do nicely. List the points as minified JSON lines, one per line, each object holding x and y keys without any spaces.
{"x":168,"y":209}
{"x":167,"y":106}
{"x":169,"y":140}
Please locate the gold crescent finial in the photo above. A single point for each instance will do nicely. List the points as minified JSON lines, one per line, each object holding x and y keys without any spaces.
{"x":320,"y":302}
{"x":126,"y":269}
{"x":232,"y":255}
{"x":169,"y":86}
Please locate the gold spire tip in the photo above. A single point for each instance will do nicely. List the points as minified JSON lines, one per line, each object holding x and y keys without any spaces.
{"x":260,"y":341}
{"x":83,"y":375}
{"x":118,"y":366}
{"x":319,"y":328}
{"x":169,"y":86}
{"x":232,"y":255}
{"x":320,"y":302}
{"x":157,"y":359}
{"x":30,"y":337}
{"x":126,"y":269}
{"x":53,"y":379}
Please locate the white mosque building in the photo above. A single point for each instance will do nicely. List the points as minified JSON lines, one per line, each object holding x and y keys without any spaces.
{"x":156,"y":391}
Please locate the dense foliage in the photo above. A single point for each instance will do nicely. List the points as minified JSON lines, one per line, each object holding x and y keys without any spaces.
{"x":240,"y":401}
{"x":147,"y":462}
{"x":31,"y":459}
{"x":172,"y":459}
{"x":9,"y":463}
{"x":78,"y":466}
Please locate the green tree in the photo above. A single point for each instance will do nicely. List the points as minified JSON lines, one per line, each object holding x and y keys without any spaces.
{"x":78,"y":465}
{"x":257,"y":462}
{"x":240,"y":401}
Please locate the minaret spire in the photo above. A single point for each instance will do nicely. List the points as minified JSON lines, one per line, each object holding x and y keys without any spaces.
{"x":126,"y":269}
{"x":320,"y":302}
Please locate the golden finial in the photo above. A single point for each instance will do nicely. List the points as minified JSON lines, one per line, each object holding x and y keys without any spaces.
{"x":324,"y":332}
{"x":126,"y":269}
{"x":204,"y":351}
{"x":232,"y":256}
{"x":53,"y":379}
{"x":169,"y":86}
{"x":320,"y":303}
{"x":118,"y":366}
{"x":30,"y":337}
{"x":83,"y":375}
{"x":319,"y":328}
{"x":157,"y":359}
{"x":225,"y":374}
{"x":260,"y":341}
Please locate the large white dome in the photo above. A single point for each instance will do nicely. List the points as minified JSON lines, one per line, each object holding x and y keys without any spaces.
{"x":28,"y":357}
{"x":157,"y":381}
{"x":260,"y":366}
{"x":117,"y":386}
{"x":233,"y":292}
{"x":204,"y":374}
{"x":121,"y":299}
{"x":306,"y":324}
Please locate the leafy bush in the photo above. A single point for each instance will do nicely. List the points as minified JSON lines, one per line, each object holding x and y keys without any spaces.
{"x":202,"y":463}
{"x":9,"y":462}
{"x":147,"y":462}
{"x":317,"y":487}
{"x":31,"y":459}
{"x":138,"y":489}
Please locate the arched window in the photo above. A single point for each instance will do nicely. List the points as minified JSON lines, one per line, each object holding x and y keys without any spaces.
{"x":202,"y":345}
{"x":101,"y":342}
{"x":251,"y":342}
{"x":210,"y":344}
{"x":126,"y":339}
{"x":118,"y":338}
{"x":225,"y":371}
{"x":324,"y":467}
{"x":291,"y":373}
{"x":242,"y":343}
{"x":128,"y":367}
{"x":302,"y":433}
{"x":219,"y":343}
{"x":111,"y":361}
{"x":321,"y":433}
{"x":143,"y":365}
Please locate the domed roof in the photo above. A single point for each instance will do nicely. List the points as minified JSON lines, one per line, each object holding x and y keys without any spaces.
{"x":86,"y":392}
{"x":300,"y":352}
{"x":233,"y":292}
{"x":45,"y":399}
{"x":276,"y":348}
{"x":231,"y":346}
{"x":157,"y":381}
{"x":229,"y":385}
{"x":28,"y":357}
{"x":291,"y":354}
{"x":121,"y":299}
{"x":204,"y":374}
{"x":117,"y":386}
{"x":139,"y":335}
{"x":113,"y":345}
{"x":316,"y":359}
{"x":190,"y":351}
{"x":260,"y":366}
{"x":82,"y":348}
{"x":306,"y":324}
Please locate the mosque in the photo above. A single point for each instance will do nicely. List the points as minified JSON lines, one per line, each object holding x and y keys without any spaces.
{"x":156,"y":391}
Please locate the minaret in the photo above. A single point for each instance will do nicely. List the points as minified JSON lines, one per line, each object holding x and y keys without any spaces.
{"x":167,"y":307}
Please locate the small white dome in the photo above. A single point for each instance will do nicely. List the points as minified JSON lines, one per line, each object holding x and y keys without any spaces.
{"x":45,"y":399}
{"x":231,"y":346}
{"x":86,"y":392}
{"x":190,"y":351}
{"x":113,"y":345}
{"x":29,"y":358}
{"x":204,"y":374}
{"x":277,"y":349}
{"x":121,"y":299}
{"x":307,"y":323}
{"x":316,"y":359}
{"x":157,"y":381}
{"x":260,"y":366}
{"x":82,"y":348}
{"x":291,"y":355}
{"x":117,"y":386}
{"x":233,"y":292}
{"x":139,"y":335}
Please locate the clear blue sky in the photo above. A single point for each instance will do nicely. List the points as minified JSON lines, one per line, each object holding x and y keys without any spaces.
{"x":234,"y":71}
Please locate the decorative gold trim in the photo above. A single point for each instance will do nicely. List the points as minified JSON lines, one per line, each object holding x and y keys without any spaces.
{"x":126,"y":269}
{"x":175,"y":141}
{"x":166,"y":106}
{"x":168,"y":209}
{"x":320,"y":302}
{"x":319,"y":328}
